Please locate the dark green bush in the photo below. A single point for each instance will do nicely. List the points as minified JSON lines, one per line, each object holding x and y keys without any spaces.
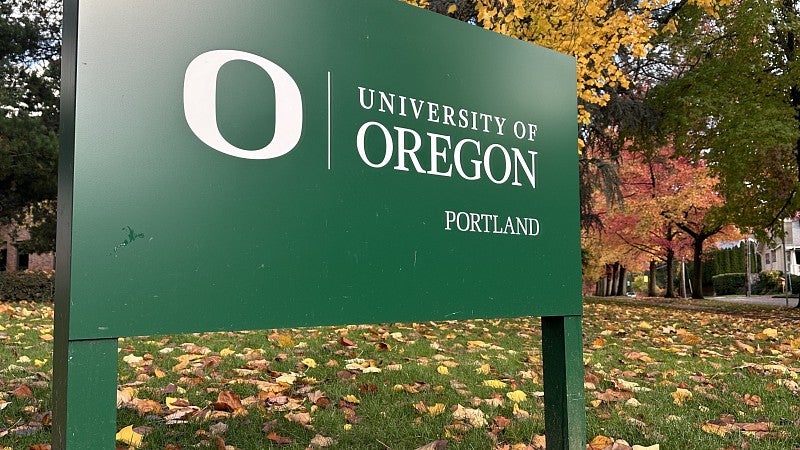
{"x":33,"y":286}
{"x":768,"y":282}
{"x":729,"y":283}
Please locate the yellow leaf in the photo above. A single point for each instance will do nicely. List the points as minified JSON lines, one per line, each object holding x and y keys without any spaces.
{"x":494,"y":384}
{"x":436,"y":409}
{"x":452,"y":8}
{"x":39,"y":362}
{"x":309,"y":362}
{"x":720,"y":430}
{"x":517,"y":396}
{"x":286,"y":378}
{"x":483,"y":369}
{"x":771,"y":333}
{"x":46,"y":337}
{"x":348,"y":427}
{"x":130,"y":437}
{"x":351,"y":399}
{"x":680,"y":396}
{"x":443,"y":370}
{"x":520,"y":413}
{"x":226,"y":352}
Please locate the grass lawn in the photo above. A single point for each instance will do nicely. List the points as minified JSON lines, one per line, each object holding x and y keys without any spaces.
{"x":680,"y":374}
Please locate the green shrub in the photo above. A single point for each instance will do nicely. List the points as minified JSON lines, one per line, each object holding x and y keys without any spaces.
{"x":768,"y":282}
{"x":33,"y":286}
{"x":729,"y":283}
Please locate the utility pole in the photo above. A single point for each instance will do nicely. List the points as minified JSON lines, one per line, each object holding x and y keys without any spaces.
{"x":785,"y":269}
{"x":748,"y":269}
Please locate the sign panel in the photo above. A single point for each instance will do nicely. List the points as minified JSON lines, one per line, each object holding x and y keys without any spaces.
{"x":246,"y":165}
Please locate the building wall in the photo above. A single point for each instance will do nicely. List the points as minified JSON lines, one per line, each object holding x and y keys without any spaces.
{"x":783,"y":257}
{"x":44,"y":261}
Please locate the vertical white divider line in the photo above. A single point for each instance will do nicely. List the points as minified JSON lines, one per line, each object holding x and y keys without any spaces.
{"x":329,"y":120}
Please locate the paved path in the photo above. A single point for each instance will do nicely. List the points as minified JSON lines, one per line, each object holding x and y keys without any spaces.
{"x":756,"y":300}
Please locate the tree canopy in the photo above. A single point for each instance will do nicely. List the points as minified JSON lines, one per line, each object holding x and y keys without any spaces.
{"x":30,"y":46}
{"x":732,"y":98}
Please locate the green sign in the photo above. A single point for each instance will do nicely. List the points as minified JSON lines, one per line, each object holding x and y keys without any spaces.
{"x":246,"y":165}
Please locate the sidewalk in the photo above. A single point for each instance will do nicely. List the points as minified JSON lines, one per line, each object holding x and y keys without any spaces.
{"x":756,"y":300}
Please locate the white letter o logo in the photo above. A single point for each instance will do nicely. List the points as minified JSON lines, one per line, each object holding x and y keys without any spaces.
{"x":200,"y":104}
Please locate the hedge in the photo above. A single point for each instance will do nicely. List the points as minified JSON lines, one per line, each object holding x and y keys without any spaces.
{"x":729,"y":283}
{"x":32,"y":286}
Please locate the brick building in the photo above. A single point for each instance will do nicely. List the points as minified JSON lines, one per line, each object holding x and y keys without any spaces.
{"x":12,"y":260}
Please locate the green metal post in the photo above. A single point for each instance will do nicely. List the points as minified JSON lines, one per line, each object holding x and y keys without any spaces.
{"x":85,"y":383}
{"x":562,"y":354}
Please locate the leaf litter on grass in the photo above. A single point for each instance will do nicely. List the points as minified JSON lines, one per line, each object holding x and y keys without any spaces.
{"x":655,"y":377}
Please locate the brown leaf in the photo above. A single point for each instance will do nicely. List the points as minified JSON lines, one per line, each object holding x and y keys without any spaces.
{"x":218,"y":428}
{"x":39,"y":447}
{"x":22,"y":391}
{"x":382,"y":347}
{"x":368,"y":388}
{"x":303,"y":419}
{"x":280,"y":440}
{"x":440,"y":444}
{"x":501,"y":422}
{"x":759,"y":426}
{"x":146,"y":406}
{"x":320,"y":441}
{"x":752,"y":400}
{"x":266,"y":427}
{"x":600,"y":442}
{"x":219,"y":443}
{"x":227,"y":401}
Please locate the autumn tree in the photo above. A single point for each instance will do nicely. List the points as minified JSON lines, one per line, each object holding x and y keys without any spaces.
{"x":29,"y":75}
{"x":670,"y":210}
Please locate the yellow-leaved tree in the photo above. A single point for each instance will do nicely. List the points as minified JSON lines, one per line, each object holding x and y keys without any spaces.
{"x":600,"y":34}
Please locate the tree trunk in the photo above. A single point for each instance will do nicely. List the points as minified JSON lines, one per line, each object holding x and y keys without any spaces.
{"x":651,"y":280}
{"x":670,"y":293}
{"x":622,"y":286}
{"x":614,"y":279}
{"x":697,"y":276}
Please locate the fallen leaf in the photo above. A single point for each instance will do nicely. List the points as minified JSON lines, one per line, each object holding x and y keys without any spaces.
{"x":436,"y":409}
{"x":130,"y":437}
{"x":320,"y":441}
{"x":280,"y":440}
{"x":309,"y":362}
{"x":229,"y":401}
{"x":22,"y":391}
{"x":517,"y":396}
{"x":440,"y":444}
{"x":494,"y":384}
{"x":218,"y":428}
{"x":474,"y":417}
{"x":680,"y":396}
{"x":484,"y":369}
{"x":600,"y":442}
{"x":351,"y":399}
{"x":302,"y":418}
